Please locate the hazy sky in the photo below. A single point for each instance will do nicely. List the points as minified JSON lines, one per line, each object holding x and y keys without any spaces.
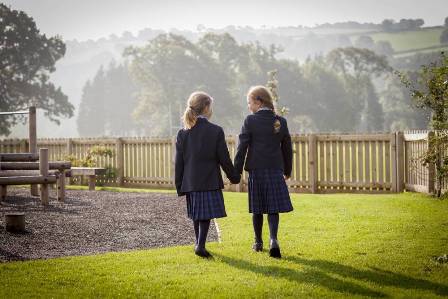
{"x":83,"y":19}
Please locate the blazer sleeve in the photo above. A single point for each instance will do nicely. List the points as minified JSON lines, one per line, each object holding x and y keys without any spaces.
{"x":287,"y":151}
{"x":224,"y":159}
{"x":244,"y":140}
{"x":179,"y":164}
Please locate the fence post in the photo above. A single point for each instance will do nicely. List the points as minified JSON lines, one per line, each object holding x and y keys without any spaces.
{"x":120,"y":160}
{"x":23,"y":146}
{"x":32,"y":130}
{"x":69,"y":151}
{"x":312,"y":158}
{"x":173,"y":161}
{"x":400,"y":161}
{"x":431,"y":167}
{"x":393,"y":155}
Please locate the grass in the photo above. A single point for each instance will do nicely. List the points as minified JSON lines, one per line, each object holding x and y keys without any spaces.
{"x":333,"y":246}
{"x":409,"y":40}
{"x":120,"y":189}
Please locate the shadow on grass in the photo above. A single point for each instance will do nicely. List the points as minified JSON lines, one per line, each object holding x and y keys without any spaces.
{"x":307,"y":275}
{"x":375,"y":275}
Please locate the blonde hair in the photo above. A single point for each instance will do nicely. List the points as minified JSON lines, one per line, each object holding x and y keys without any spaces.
{"x":262,"y":94}
{"x":197,"y":103}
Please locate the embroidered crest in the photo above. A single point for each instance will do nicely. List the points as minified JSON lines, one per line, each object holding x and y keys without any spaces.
{"x":277,"y":126}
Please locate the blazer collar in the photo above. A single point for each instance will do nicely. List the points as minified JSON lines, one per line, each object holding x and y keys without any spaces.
{"x":264,"y":112}
{"x":201,"y":120}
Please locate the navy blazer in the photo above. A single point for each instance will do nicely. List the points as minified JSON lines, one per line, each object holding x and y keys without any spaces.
{"x":265,"y":148}
{"x":200,"y":151}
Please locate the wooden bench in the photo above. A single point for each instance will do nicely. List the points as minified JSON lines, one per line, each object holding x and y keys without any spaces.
{"x":18,"y":170}
{"x":91,"y":172}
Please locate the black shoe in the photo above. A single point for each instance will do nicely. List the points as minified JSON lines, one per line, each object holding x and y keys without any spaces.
{"x":258,"y":246}
{"x":274,"y":249}
{"x":202,"y":252}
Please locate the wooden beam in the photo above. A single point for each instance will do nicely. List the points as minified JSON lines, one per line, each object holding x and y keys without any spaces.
{"x":431,"y":168}
{"x":11,"y":173}
{"x":32,"y":140}
{"x":23,"y":180}
{"x":360,"y":137}
{"x":88,"y":171}
{"x":3,"y":192}
{"x":61,"y":186}
{"x":120,"y":161}
{"x":33,"y":165}
{"x":312,"y":160}
{"x":43,"y":168}
{"x":400,"y":162}
{"x":393,"y":155}
{"x":19,"y":157}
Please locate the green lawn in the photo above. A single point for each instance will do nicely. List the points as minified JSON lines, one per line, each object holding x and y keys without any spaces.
{"x":333,"y":246}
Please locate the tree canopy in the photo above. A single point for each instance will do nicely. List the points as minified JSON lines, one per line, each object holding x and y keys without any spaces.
{"x":27,"y":59}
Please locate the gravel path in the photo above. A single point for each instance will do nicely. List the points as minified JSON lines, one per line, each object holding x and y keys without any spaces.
{"x":90,"y":222}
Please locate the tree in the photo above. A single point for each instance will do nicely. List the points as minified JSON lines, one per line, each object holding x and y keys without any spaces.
{"x":444,"y":36}
{"x":359,"y":67}
{"x":91,"y":120}
{"x":169,"y":68}
{"x":364,"y":42}
{"x":357,"y":62}
{"x":400,"y":113}
{"x":107,"y":103}
{"x":383,"y":48}
{"x":430,"y":91}
{"x":272,"y":85}
{"x":328,"y":103}
{"x":27,"y":59}
{"x":387,"y":25}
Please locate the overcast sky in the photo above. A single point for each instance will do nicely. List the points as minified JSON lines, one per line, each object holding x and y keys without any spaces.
{"x":83,"y":19}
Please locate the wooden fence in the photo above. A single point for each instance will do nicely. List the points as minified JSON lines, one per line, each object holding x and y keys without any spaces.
{"x":419,"y":178}
{"x":322,"y":163}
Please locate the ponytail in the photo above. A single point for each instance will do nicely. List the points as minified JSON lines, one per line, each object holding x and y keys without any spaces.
{"x":196,"y":105}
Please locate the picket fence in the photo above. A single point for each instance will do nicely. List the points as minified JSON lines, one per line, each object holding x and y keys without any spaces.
{"x":322,"y":163}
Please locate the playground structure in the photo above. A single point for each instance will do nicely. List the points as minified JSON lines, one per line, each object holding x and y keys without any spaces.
{"x":31,"y":167}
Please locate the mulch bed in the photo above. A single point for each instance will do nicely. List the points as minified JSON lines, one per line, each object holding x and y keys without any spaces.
{"x":91,"y":222}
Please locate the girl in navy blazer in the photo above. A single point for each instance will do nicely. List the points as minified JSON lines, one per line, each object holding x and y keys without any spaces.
{"x":265,"y":139}
{"x":200,"y":151}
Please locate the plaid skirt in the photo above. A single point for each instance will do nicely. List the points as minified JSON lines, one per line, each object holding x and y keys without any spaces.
{"x":268,"y":193}
{"x":204,"y":205}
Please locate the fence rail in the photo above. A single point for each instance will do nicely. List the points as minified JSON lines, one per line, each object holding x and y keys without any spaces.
{"x":322,"y":163}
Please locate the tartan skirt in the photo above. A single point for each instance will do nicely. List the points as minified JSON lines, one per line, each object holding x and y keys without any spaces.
{"x":204,"y":205}
{"x":268,"y":193}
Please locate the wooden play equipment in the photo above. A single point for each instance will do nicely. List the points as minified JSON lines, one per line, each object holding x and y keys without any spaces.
{"x":32,"y":168}
{"x":16,"y":172}
{"x":32,"y":133}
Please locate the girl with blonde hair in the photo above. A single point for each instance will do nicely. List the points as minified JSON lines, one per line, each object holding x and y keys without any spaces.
{"x":265,"y":139}
{"x":201,"y":150}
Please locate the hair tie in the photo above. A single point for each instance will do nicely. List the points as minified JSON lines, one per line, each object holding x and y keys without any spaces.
{"x":193,"y":110}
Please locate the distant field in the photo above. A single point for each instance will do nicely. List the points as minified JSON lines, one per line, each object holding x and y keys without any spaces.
{"x":405,"y":41}
{"x":440,"y":48}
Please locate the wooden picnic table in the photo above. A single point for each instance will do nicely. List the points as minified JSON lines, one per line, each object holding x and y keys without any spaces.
{"x":91,"y":172}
